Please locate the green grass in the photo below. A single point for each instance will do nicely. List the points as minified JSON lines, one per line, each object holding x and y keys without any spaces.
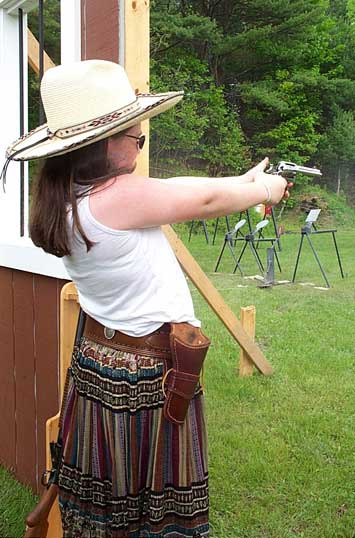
{"x":281,"y":448}
{"x":16,"y":501}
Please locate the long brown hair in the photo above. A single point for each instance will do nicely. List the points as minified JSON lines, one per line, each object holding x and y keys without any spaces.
{"x":61,"y":182}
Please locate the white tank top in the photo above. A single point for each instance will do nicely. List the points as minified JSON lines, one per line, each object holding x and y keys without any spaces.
{"x":129,"y":280}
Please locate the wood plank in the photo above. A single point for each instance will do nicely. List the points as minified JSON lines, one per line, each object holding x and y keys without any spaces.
{"x":46,"y":310}
{"x":247,"y":319}
{"x":25,"y":379}
{"x":136,"y":62}
{"x":216,"y":301}
{"x":33,"y":54}
{"x":7,"y":372}
{"x":69,"y":311}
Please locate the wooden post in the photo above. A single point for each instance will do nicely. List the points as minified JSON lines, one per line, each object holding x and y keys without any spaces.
{"x":247,"y":318}
{"x":134,"y":55}
{"x":33,"y":53}
{"x":69,"y":311}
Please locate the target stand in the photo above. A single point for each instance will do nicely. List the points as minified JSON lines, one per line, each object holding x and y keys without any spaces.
{"x":252,"y":240}
{"x":306,"y":232}
{"x":229,"y":241}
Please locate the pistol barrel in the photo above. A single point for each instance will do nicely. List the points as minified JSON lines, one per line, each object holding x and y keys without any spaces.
{"x":284,"y":167}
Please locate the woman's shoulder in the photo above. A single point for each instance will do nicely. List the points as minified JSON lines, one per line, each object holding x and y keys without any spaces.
{"x":115,"y":203}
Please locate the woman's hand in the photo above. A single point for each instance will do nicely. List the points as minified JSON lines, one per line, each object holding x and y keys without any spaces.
{"x":252,"y":173}
{"x":275,"y":187}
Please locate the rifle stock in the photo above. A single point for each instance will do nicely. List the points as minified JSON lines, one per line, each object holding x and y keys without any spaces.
{"x":37,"y":520}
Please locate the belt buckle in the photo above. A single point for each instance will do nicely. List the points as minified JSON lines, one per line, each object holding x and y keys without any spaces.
{"x":109,"y":333}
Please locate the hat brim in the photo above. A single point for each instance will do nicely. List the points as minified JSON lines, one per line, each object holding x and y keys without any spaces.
{"x":37,"y":145}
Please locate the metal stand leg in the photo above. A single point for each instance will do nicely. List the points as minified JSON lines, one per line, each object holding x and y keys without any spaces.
{"x":205,"y":231}
{"x":228,"y":241}
{"x":338,"y":256}
{"x":221,"y":253}
{"x":256,"y":256}
{"x":191,"y":227}
{"x":240,"y":256}
{"x":276,"y":256}
{"x":275,"y":228}
{"x":260,"y":236}
{"x":215,"y":230}
{"x":318,"y":260}
{"x":298,"y":257}
{"x":230,"y":245}
{"x":249,"y":221}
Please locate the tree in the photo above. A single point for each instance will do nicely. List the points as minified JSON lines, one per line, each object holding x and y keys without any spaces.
{"x":337,"y":145}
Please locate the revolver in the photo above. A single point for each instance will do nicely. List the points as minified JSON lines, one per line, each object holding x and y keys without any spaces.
{"x":289,"y":170}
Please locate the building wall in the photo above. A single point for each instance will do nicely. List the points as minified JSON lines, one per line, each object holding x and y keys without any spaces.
{"x":99,"y":30}
{"x":29,"y":355}
{"x":29,"y":312}
{"x":30,"y":281}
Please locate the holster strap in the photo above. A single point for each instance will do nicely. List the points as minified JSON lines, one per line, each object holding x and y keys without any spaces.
{"x":181,"y":383}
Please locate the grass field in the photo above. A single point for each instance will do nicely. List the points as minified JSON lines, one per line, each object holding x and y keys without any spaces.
{"x":281,"y":448}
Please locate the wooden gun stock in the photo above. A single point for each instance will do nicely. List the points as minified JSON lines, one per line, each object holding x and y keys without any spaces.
{"x":37,"y":520}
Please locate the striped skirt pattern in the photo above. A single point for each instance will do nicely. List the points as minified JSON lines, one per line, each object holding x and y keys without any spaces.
{"x":126,"y":471}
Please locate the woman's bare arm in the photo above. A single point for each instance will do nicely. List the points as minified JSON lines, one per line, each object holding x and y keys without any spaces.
{"x":202,"y":180}
{"x":138,"y":202}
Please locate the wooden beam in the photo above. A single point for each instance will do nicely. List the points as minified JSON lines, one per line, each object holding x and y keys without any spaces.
{"x":135,"y":56}
{"x":139,"y":75}
{"x":69,"y":311}
{"x":33,"y":53}
{"x":247,"y":318}
{"x":216,"y":302}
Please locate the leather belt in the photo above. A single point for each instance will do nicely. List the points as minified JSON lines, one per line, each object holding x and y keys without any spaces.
{"x":155,"y":344}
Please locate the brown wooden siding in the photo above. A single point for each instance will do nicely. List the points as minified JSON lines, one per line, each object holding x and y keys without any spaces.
{"x":29,"y":352}
{"x":29,"y":315}
{"x":99,"y":30}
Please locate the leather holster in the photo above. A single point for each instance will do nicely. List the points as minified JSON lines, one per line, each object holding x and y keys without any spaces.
{"x":189,"y":347}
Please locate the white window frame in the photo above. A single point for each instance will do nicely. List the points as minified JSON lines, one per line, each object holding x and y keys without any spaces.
{"x":19,"y":252}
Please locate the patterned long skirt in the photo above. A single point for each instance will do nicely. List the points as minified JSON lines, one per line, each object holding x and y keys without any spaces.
{"x":126,"y":471}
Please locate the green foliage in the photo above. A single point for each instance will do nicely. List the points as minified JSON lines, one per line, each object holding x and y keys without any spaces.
{"x":203,"y":130}
{"x":51,"y":16}
{"x":261,"y":77}
{"x":274,"y":73}
{"x":335,"y":209}
{"x":338,"y":142}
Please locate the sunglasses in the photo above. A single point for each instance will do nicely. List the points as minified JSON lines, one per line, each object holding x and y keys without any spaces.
{"x":140,"y":140}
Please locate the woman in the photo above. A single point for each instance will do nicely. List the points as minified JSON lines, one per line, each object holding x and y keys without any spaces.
{"x":127,"y":470}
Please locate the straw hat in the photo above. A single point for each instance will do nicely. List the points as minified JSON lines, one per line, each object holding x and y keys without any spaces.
{"x":85,"y":102}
